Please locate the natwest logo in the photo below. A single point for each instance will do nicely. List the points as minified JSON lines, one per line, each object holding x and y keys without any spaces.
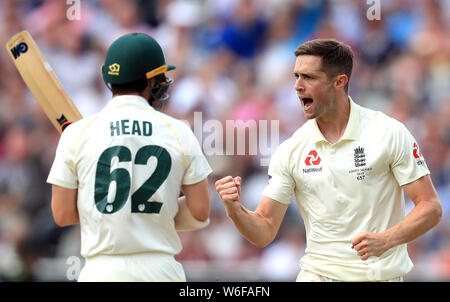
{"x":312,"y":158}
{"x":416,"y":151}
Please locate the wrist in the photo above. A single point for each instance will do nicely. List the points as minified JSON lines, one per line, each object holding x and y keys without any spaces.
{"x":232,"y":209}
{"x":389,"y":239}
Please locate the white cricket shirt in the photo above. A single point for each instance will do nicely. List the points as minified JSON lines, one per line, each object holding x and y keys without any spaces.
{"x":128,"y":163}
{"x":348,"y":187}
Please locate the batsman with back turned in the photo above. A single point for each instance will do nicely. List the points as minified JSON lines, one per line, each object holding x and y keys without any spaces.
{"x":348,"y":167}
{"x":119,"y":173}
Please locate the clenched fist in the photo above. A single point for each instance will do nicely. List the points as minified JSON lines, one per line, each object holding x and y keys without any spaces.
{"x":370,"y":244}
{"x":229,"y":189}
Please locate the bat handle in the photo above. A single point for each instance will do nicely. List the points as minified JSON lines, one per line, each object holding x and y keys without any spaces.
{"x":64,"y":125}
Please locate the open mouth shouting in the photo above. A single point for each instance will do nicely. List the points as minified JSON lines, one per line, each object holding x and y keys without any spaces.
{"x":307,"y":103}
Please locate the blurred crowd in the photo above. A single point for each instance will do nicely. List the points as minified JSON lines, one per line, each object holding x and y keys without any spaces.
{"x":234,"y":61}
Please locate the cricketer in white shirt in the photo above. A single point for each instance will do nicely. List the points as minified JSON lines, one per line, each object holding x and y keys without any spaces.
{"x":128,"y":163}
{"x":348,"y":187}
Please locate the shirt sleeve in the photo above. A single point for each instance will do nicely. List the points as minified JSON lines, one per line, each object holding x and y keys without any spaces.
{"x":197,"y":167}
{"x":407,"y":162}
{"x":281,"y":184}
{"x":62,"y":172}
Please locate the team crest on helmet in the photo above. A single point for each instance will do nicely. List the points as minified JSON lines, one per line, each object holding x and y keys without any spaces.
{"x":114,"y":69}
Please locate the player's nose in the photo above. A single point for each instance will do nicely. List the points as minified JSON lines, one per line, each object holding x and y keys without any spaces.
{"x":298,"y":85}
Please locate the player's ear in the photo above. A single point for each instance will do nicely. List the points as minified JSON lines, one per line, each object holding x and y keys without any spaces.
{"x":151,"y":82}
{"x":340,"y":81}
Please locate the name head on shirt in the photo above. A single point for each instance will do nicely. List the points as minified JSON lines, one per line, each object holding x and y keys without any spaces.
{"x":130,"y":127}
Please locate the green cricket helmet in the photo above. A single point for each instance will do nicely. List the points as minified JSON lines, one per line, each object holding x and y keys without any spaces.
{"x":134,"y":57}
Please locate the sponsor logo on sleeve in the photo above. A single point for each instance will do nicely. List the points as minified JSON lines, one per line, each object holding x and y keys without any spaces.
{"x":417,"y":154}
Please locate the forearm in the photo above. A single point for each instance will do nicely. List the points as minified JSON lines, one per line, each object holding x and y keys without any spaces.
{"x":253,"y":226}
{"x":424,"y":216}
{"x":258,"y":227}
{"x":66,"y":218}
{"x":64,"y":206}
{"x":76,"y":218}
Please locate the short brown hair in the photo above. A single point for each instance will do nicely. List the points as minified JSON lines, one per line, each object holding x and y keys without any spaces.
{"x":337,"y":57}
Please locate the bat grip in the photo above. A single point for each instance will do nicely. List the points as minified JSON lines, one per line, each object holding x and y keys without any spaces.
{"x":64,"y":125}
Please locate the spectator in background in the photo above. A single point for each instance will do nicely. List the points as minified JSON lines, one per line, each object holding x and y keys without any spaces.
{"x":22,"y":195}
{"x":244,"y":32}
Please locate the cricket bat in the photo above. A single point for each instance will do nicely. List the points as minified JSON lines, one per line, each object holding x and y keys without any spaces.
{"x":42,"y":81}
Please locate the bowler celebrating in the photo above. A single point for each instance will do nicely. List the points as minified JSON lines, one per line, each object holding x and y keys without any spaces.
{"x":348,"y":167}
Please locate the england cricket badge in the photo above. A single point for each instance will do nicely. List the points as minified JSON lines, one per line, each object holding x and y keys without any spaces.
{"x":360,"y":157}
{"x":360,"y":163}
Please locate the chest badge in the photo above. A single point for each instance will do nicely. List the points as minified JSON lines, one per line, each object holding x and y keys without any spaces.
{"x":313,"y":159}
{"x":360,"y":157}
{"x":360,"y":163}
